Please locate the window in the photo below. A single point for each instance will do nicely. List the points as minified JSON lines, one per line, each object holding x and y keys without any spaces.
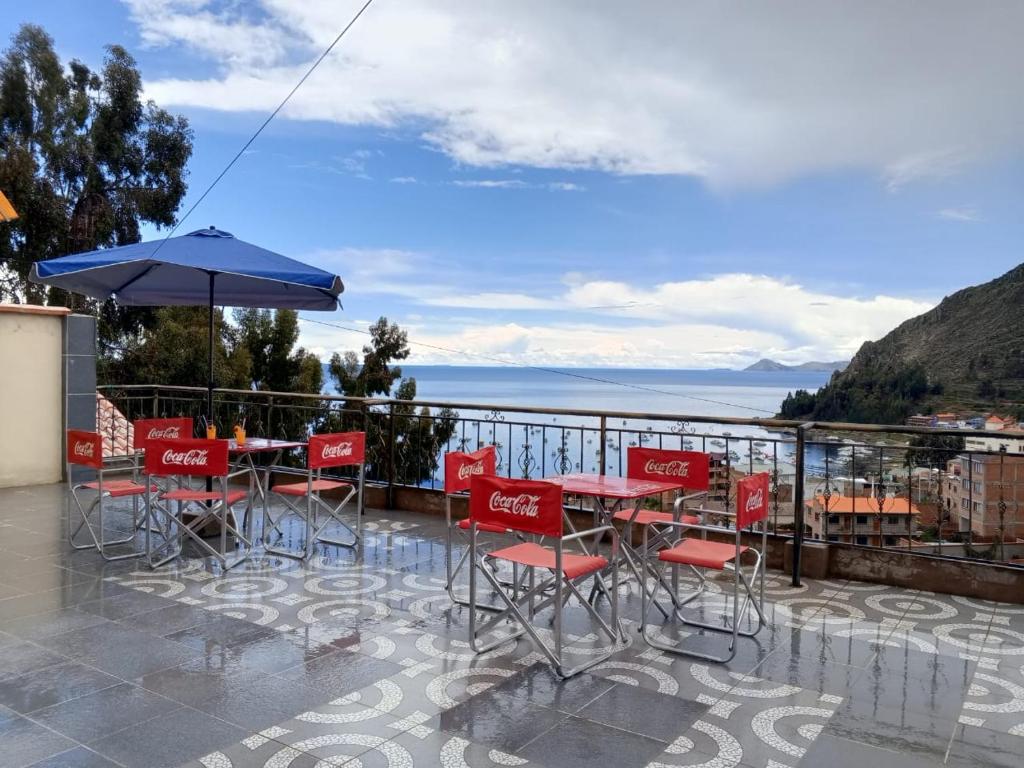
{"x":963,"y":503}
{"x":977,"y":487}
{"x":862,"y":520}
{"x":977,"y":467}
{"x":890,"y":541}
{"x":833,"y":537}
{"x":833,"y":519}
{"x":862,"y":539}
{"x":894,"y":519}
{"x":965,"y":484}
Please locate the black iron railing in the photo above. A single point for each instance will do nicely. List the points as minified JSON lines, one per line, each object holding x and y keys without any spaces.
{"x":862,"y":485}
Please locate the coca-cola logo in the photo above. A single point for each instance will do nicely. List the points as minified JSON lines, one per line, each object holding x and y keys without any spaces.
{"x":466,"y":471}
{"x":195,"y":457}
{"x":336,"y":451}
{"x":755,"y":501}
{"x":668,"y":468}
{"x":167,"y":433}
{"x":85,"y":449}
{"x":523,"y":505}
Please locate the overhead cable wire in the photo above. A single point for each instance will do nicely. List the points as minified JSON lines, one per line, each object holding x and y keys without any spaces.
{"x":264,"y":124}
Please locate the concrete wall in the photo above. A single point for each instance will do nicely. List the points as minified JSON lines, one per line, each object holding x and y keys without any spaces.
{"x":31,"y":394}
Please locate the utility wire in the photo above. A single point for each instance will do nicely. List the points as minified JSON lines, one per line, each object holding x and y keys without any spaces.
{"x":265,"y":123}
{"x":585,"y":377}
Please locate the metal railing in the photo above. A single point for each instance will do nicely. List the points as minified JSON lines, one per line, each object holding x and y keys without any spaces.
{"x":856,"y":484}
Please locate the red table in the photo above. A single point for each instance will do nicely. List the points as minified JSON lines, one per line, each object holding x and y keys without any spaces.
{"x":243,"y":458}
{"x":619,"y":490}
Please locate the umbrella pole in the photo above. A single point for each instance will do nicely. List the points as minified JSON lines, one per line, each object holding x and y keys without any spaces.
{"x":209,"y":380}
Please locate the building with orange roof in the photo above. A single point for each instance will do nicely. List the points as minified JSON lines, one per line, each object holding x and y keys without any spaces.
{"x":859,"y":520}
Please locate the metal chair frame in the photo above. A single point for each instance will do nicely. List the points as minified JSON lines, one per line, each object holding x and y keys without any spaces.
{"x":173,"y":529}
{"x":527,"y":595}
{"x":75,"y":491}
{"x":734,"y":565}
{"x":315,"y":503}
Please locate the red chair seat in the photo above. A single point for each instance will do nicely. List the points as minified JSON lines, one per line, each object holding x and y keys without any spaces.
{"x":485,"y":527}
{"x":649,"y":516}
{"x":703,"y":554}
{"x":121,"y":488}
{"x":529,"y":553}
{"x":187,"y":494}
{"x":299,"y":489}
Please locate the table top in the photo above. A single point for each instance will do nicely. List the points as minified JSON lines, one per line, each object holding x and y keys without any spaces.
{"x":262,"y":445}
{"x":610,"y":487}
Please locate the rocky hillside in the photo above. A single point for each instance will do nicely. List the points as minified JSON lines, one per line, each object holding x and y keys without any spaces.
{"x":967,"y":354}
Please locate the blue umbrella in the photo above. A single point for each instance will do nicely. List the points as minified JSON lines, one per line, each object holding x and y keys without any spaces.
{"x":205,"y":267}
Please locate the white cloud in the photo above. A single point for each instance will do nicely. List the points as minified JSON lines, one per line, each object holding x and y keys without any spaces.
{"x":403,"y":180}
{"x":960,"y":214}
{"x":491,"y":183}
{"x":554,"y":186}
{"x":721,"y":320}
{"x":735,"y":93}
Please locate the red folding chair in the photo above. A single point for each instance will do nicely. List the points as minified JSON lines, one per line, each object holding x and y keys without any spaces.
{"x":183,"y":460}
{"x":341,"y":449}
{"x":85,"y":449}
{"x":144,"y":430}
{"x":534,"y":508}
{"x":690,"y":468}
{"x":459,"y":469}
{"x":751,"y":508}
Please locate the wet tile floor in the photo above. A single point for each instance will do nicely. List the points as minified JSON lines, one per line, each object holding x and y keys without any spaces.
{"x":359,"y":659}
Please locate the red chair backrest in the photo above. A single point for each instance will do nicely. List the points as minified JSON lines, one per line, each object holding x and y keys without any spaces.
{"x":530,"y":506}
{"x":460,"y":467}
{"x":85,"y":448}
{"x":337,"y":450}
{"x":161,"y":429}
{"x":205,"y":458}
{"x":752,"y":499}
{"x":692,"y":469}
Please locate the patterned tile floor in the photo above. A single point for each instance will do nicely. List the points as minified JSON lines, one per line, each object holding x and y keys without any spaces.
{"x":359,"y":660}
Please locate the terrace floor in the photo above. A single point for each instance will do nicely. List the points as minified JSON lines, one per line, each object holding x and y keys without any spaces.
{"x":362,"y":662}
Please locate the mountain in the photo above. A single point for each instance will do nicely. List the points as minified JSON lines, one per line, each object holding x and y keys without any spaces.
{"x":764,"y":364}
{"x":966,"y":354}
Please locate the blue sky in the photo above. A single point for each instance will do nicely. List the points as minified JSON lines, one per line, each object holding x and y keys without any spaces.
{"x":565,"y":185}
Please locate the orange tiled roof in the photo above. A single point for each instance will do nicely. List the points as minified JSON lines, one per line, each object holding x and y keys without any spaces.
{"x":117,"y":432}
{"x":844,"y":505}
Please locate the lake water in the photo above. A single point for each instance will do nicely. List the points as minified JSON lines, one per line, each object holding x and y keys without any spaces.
{"x":696,"y":393}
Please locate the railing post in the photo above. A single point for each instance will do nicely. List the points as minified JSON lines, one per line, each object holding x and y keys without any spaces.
{"x":798,"y":500}
{"x":391,"y":455}
{"x":156,"y":402}
{"x":602,"y":456}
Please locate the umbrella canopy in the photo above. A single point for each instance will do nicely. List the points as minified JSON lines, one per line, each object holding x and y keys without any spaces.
{"x":180,"y":270}
{"x":207,"y":267}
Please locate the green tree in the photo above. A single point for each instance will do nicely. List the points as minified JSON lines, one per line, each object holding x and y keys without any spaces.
{"x":86,"y":163}
{"x":174,"y":351}
{"x":276,"y":365}
{"x":418,"y":434}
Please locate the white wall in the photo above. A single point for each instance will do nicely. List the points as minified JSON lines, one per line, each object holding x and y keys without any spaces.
{"x":31,"y":390}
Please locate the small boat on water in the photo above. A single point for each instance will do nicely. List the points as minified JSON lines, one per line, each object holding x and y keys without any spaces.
{"x":717,"y":443}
